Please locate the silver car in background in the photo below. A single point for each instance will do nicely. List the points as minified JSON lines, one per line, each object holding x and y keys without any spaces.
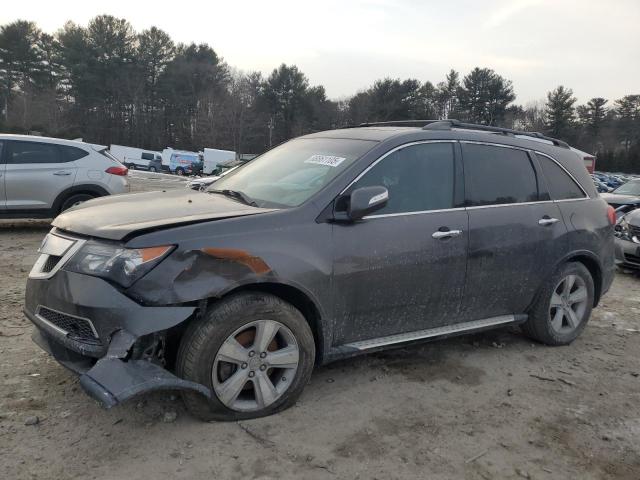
{"x":41,"y":176}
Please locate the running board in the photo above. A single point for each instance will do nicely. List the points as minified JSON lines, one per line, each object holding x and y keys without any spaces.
{"x":436,"y":332}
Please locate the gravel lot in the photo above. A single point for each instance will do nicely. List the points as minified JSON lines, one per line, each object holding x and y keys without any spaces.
{"x":485,"y":406}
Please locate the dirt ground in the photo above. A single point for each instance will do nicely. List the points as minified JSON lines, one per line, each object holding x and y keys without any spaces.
{"x":486,"y":406}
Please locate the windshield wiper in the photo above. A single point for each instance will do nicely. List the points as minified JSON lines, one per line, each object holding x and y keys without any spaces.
{"x":236,"y":194}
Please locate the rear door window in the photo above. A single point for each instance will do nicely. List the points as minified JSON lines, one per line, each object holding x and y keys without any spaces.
{"x":418,"y":178}
{"x":498,"y":175}
{"x":561,"y":185}
{"x":20,"y":152}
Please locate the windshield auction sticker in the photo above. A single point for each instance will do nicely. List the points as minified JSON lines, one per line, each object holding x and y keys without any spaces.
{"x":328,"y":160}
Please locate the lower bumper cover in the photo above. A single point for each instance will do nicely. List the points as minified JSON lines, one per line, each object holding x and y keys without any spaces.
{"x":112,"y":380}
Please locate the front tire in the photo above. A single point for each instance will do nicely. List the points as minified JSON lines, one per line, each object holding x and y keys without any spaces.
{"x":563,"y":307}
{"x":179,"y":171}
{"x":254,"y":351}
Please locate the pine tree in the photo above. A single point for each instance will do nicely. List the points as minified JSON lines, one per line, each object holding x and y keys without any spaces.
{"x":559,"y":112}
{"x":484,"y":97}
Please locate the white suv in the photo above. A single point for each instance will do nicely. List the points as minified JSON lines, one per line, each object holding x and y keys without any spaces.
{"x":41,"y":177}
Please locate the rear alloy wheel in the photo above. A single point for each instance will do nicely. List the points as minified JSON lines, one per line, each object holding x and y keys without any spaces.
{"x":568,"y":304}
{"x":564,"y":306}
{"x":254,"y":351}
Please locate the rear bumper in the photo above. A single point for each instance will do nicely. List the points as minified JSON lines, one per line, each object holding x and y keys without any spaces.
{"x":108,"y":369}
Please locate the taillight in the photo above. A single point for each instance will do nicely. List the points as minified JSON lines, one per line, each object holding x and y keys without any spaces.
{"x":121,"y":171}
{"x":611,"y":214}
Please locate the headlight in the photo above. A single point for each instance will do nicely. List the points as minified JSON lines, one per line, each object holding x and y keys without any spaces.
{"x":113,"y":262}
{"x":621,"y":229}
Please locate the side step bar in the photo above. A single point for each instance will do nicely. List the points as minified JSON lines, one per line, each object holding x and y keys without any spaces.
{"x":436,"y":332}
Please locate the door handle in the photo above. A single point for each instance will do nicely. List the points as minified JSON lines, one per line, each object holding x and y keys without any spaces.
{"x":61,"y":173}
{"x":446,"y":234}
{"x":544,"y":221}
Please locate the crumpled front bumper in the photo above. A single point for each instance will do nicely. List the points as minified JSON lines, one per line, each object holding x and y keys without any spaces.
{"x":627,"y":253}
{"x":107,"y":370}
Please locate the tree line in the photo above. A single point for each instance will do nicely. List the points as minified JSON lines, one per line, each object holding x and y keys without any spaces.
{"x":108,"y":84}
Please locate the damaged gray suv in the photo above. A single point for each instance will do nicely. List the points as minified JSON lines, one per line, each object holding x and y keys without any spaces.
{"x":328,"y":246}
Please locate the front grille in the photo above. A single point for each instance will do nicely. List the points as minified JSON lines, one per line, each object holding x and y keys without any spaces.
{"x":50,"y":263}
{"x":76,"y":328}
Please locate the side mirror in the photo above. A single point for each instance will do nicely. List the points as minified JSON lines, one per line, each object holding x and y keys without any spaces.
{"x":366,"y":200}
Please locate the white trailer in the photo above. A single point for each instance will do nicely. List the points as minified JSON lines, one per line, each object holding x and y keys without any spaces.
{"x":134,"y":158}
{"x":212,"y":158}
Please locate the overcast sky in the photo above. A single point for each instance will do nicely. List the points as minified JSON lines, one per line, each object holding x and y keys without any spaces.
{"x":592,"y":46}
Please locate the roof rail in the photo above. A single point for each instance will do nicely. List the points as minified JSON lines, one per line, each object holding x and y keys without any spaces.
{"x":440,"y":125}
{"x":399,"y":123}
{"x":449,"y":123}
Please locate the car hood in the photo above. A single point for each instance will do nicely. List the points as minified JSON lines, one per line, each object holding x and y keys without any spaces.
{"x":617,"y":199}
{"x":119,"y":216}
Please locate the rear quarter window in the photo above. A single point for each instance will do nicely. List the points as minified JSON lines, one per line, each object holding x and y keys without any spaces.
{"x":69,"y":154}
{"x":561,"y":185}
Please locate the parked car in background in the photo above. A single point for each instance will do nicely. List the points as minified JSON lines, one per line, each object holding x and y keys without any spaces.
{"x":203,"y":183}
{"x":41,"y":176}
{"x":136,"y":158}
{"x":327,"y":246}
{"x":627,"y":232}
{"x":181,"y":162}
{"x":601,"y":186}
{"x":155,"y":165}
{"x":627,"y":194}
{"x":213,"y":157}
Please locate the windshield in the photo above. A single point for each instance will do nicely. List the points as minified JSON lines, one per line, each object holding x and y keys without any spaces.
{"x":629,"y":188}
{"x":293,"y":172}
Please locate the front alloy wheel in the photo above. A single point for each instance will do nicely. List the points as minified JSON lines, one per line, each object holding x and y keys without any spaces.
{"x":254,"y":351}
{"x":255,"y":365}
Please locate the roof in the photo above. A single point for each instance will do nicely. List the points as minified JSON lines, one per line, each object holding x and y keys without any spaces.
{"x":35,"y":138}
{"x":442,"y":129}
{"x":363,"y":133}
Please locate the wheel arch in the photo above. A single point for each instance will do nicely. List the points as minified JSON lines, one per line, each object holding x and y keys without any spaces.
{"x":89,"y":189}
{"x":591,"y":262}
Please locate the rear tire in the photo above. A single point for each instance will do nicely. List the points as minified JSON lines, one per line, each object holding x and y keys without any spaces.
{"x":209,"y":355}
{"x":563,"y":307}
{"x":179,"y":171}
{"x":74,"y":200}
